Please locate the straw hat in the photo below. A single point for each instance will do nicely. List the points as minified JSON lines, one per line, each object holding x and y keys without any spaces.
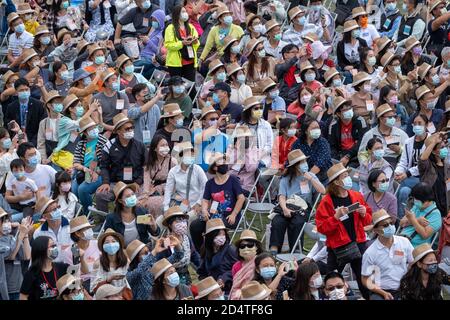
{"x":242,"y":131}
{"x":108,"y":73}
{"x":214,"y":65}
{"x":214,"y":224}
{"x":350,"y":25}
{"x":423,"y":70}
{"x":318,"y":49}
{"x":358,"y":11}
{"x":330,"y":73}
{"x":173,"y":212}
{"x":295,"y":11}
{"x":109,"y":232}
{"x":3,"y":213}
{"x":8,"y":75}
{"x":384,"y":108}
{"x":305,"y":65}
{"x":232,"y":68}
{"x":310,"y":36}
{"x":382,"y":42}
{"x":93,"y":48}
{"x":379,"y":216}
{"x":249,"y":18}
{"x":28,"y":54}
{"x":69,"y":100}
{"x":227,"y":41}
{"x":79,"y":223}
{"x":53,"y":94}
{"x":222,"y":11}
{"x":411,"y":42}
{"x":250,"y":102}
{"x":42,"y":29}
{"x":24,"y":8}
{"x":206,"y":111}
{"x":247,"y":235}
{"x":360,"y":77}
{"x":255,"y":291}
{"x":107,"y":290}
{"x":216,"y":157}
{"x":266,"y":84}
{"x":335,"y":171}
{"x":120,"y":186}
{"x":160,"y":267}
{"x":271,"y":24}
{"x":134,"y":247}
{"x":252,"y":44}
{"x":338,"y":102}
{"x":121,"y":60}
{"x":295,"y":156}
{"x":81,"y":44}
{"x":434,"y":4}
{"x":171,"y":110}
{"x":12,"y":16}
{"x":387,"y":58}
{"x":421,"y":91}
{"x":86,"y":123}
{"x":42,"y":204}
{"x":119,"y":120}
{"x":62,"y":33}
{"x":206,"y":286}
{"x":65,"y":282}
{"x":421,"y":251}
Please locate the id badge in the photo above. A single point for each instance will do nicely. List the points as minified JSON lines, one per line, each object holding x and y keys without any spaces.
{"x":407,"y":30}
{"x":214,"y":207}
{"x":106,"y":5}
{"x":145,"y":22}
{"x":343,"y":218}
{"x":120,"y":104}
{"x":128,"y":173}
{"x":190,"y":52}
{"x":304,"y":187}
{"x":146,"y":137}
{"x":184,"y":205}
{"x":369,"y":105}
{"x":387,"y":23}
{"x":297,"y":78}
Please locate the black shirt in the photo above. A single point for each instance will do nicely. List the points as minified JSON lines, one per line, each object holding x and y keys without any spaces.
{"x":42,"y":285}
{"x":440,"y":35}
{"x":136,"y":16}
{"x":416,"y":152}
{"x":440,"y":190}
{"x":233,"y":109}
{"x":349,"y":224}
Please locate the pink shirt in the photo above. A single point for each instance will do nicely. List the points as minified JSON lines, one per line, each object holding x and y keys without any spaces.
{"x":91,"y":256}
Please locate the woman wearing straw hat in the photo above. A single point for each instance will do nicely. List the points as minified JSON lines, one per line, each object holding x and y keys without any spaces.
{"x":391,"y":64}
{"x":425,"y":278}
{"x":70,"y":289}
{"x":413,"y":56}
{"x":389,"y":95}
{"x":9,"y":92}
{"x":66,"y":50}
{"x":209,"y":289}
{"x":239,"y":90}
{"x":167,"y":284}
{"x":43,"y":42}
{"x":347,"y":50}
{"x":274,"y":105}
{"x":297,"y":180}
{"x":218,"y":256}
{"x":232,"y":52}
{"x":343,"y":229}
{"x":216,"y":73}
{"x":254,"y":30}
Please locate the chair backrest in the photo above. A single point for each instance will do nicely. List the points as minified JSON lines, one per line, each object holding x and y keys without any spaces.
{"x":158,"y":77}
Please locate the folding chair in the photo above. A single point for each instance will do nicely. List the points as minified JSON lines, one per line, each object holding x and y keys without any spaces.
{"x":78,"y":208}
{"x":94,"y":211}
{"x":139,"y":69}
{"x":432,"y":58}
{"x":158,"y":77}
{"x":189,"y":85}
{"x":97,"y":234}
{"x":4,"y":47}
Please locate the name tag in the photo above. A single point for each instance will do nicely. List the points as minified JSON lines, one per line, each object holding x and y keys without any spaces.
{"x":214,"y":207}
{"x":146,"y":136}
{"x":297,"y":78}
{"x":325,"y":68}
{"x":387,"y":23}
{"x":369,"y":105}
{"x":407,"y":30}
{"x":145,"y":22}
{"x":190,"y":52}
{"x":128,"y":173}
{"x":120,"y":104}
{"x":343,"y":218}
{"x":431,"y":128}
{"x":236,"y":167}
{"x":73,"y":136}
{"x":304,"y":187}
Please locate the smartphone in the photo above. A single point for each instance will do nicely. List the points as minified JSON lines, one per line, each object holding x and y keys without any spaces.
{"x":285,"y":295}
{"x":165,"y":90}
{"x":143,"y":219}
{"x":409,"y":203}
{"x":393,"y":144}
{"x":10,"y":125}
{"x":75,"y":254}
{"x":36,"y":217}
{"x":21,"y":136}
{"x":353,"y":207}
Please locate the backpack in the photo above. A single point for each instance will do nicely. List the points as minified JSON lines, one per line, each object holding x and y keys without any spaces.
{"x":444,"y":237}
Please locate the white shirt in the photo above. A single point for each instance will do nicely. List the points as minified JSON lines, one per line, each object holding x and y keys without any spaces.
{"x":318,"y":252}
{"x":43,"y":176}
{"x":68,"y":207}
{"x":5,"y":161}
{"x":62,"y":238}
{"x":239,"y":95}
{"x":369,"y":34}
{"x":17,"y":44}
{"x":389,"y":264}
{"x":274,"y":52}
{"x":176,"y":185}
{"x":18,"y":187}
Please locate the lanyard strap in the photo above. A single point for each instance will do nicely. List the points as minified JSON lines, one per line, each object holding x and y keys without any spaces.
{"x":46,"y":281}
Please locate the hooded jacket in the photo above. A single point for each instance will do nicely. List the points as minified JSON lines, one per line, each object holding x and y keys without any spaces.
{"x":155,"y":38}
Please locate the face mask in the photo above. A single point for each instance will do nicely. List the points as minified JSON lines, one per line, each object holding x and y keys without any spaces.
{"x":372,"y":61}
{"x":236,"y":49}
{"x":431,"y":268}
{"x":188,"y":160}
{"x":222,"y":169}
{"x":303,"y":167}
{"x":58,"y":107}
{"x":215,"y":98}
{"x":262,"y":53}
{"x":65,"y":187}
{"x":418,"y":204}
{"x":291,"y":132}
{"x":184,"y":16}
{"x":443,"y":10}
{"x":383,"y":187}
{"x":310,"y":77}
{"x":219,"y":240}
{"x":65,"y":4}
{"x":337,"y":82}
{"x":99,"y":60}
{"x":314,"y":134}
{"x":391,"y":6}
{"x":146,"y":5}
{"x":257,"y":114}
{"x":275,"y":93}
{"x":228,"y":20}
{"x":164,"y":151}
{"x":87,"y":81}
{"x":301,"y":21}
{"x":208,"y":103}
{"x":390,"y":122}
{"x":436,"y":80}
{"x":268,"y":272}
{"x":179,"y":123}
{"x":173,"y":280}
{"x":404,"y":7}
{"x":258,"y":28}
{"x":65,"y":75}
{"x":6,"y":228}
{"x":19,"y":175}
{"x":277,"y":37}
{"x":347,"y":115}
{"x":443,"y":153}
{"x":394,"y":100}
{"x":180,"y":227}
{"x":56,"y":215}
{"x":111,"y":248}
{"x":178,"y":89}
{"x":93,"y":133}
{"x":417,"y":51}
{"x":212,"y":123}
{"x":347,"y":183}
{"x":378,"y":154}
{"x":337,"y":294}
{"x":222,"y":297}
{"x":356,"y":33}
{"x":367,"y":87}
{"x":221,"y":76}
{"x":24,"y":95}
{"x":155,"y":25}
{"x":7,"y":144}
{"x":248,"y":253}
{"x":128,"y":135}
{"x":115,"y":86}
{"x":131,"y":201}
{"x":317,"y":283}
{"x":28,"y":17}
{"x":19,"y":28}
{"x":418,"y":130}
{"x":53,"y":254}
{"x":129,"y":69}
{"x":88,"y":234}
{"x":79,"y":296}
{"x":305,"y":99}
{"x":398,"y":69}
{"x":45,"y":41}
{"x":389,"y":231}
{"x":431,"y":105}
{"x":33,"y":161}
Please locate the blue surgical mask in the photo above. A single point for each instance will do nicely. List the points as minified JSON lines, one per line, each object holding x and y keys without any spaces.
{"x":275,"y":93}
{"x":315,"y":133}
{"x":111,"y":248}
{"x":179,"y":123}
{"x":65,"y":75}
{"x":19,"y":28}
{"x":301,"y":21}
{"x":268,"y":272}
{"x":436,"y":80}
{"x":79,"y":111}
{"x":65,"y":4}
{"x":398,"y":69}
{"x":443,"y":153}
{"x":129,"y":69}
{"x":116,"y":86}
{"x":155,"y":25}
{"x":146,"y":5}
{"x":19,"y":175}
{"x":79,"y":296}
{"x":45,"y":41}
{"x":347,"y":183}
{"x":131,"y":201}
{"x":383,"y":187}
{"x":277,"y":37}
{"x":235,"y":49}
{"x":241,"y":78}
{"x":221,"y":76}
{"x":33,"y":161}
{"x":391,"y":6}
{"x":348,"y":114}
{"x":389,"y":231}
{"x":173,"y":280}
{"x":372,"y":61}
{"x":432,"y":268}
{"x":93,"y":133}
{"x":56,"y":215}
{"x":390,"y":122}
{"x":228,"y":20}
{"x":262,"y":53}
{"x":87,"y":81}
{"x":99,"y":60}
{"x":58,"y":107}
{"x":418,"y":130}
{"x":337,"y":82}
{"x":310,"y":77}
{"x":188,"y":160}
{"x":7,"y":144}
{"x":216,"y":98}
{"x":356,"y":33}
{"x":378,"y":154}
{"x":418,"y":204}
{"x":178,"y":89}
{"x":303,"y":167}
{"x":24,"y":95}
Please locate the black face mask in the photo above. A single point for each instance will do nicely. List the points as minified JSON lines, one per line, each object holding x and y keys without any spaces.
{"x":222,"y":169}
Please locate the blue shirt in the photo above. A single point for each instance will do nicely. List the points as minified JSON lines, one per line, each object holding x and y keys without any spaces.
{"x":434,"y":218}
{"x":217,"y":143}
{"x":299,"y":186}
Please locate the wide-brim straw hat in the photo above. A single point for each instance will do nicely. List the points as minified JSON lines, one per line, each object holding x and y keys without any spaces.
{"x":108,"y":73}
{"x":121,"y":60}
{"x":387,"y":58}
{"x":221,"y":11}
{"x":306,"y":65}
{"x":381,"y":110}
{"x":271,"y":24}
{"x":233,"y":68}
{"x":79,"y":223}
{"x":335,"y":171}
{"x":423,"y":69}
{"x":358,"y":11}
{"x":121,"y":186}
{"x":411,"y":42}
{"x":119,"y":120}
{"x":251,"y":45}
{"x":133,"y":249}
{"x":214,"y":65}
{"x":295,"y":11}
{"x":42,"y":204}
{"x":266,"y":84}
{"x":206,"y":286}
{"x":310,"y":36}
{"x":86,"y":123}
{"x":421,"y":91}
{"x":82,"y":44}
{"x":295,"y":156}
{"x":379,"y":216}
{"x":8,"y":75}
{"x":338,"y":102}
{"x":61,"y":33}
{"x":24,"y":8}
{"x":171,"y":110}
{"x":330,"y":73}
{"x":214,"y":224}
{"x":160,"y":267}
{"x":382,"y":42}
{"x":350,"y":25}
{"x":250,"y":102}
{"x":360,"y":77}
{"x":110,"y":232}
{"x":70,"y":100}
{"x":12,"y":17}
{"x":107,"y":290}
{"x":3,"y":213}
{"x":28,"y":54}
{"x":247,"y":235}
{"x":95,"y":47}
{"x":255,"y":291}
{"x":41,"y":30}
{"x":434,"y":4}
{"x":65,"y":282}
{"x":206,"y":111}
{"x":227,"y":41}
{"x":174,"y":211}
{"x":421,"y":251}
{"x":51,"y":95}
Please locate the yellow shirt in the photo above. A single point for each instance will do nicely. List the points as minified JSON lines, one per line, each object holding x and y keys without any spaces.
{"x":30,"y":26}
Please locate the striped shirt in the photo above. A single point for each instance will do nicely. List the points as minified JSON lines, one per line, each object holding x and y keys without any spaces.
{"x":80,"y":149}
{"x":295,"y":37}
{"x":17,"y":44}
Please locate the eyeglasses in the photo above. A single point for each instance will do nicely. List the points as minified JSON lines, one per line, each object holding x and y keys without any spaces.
{"x":246,"y":245}
{"x":384,"y":181}
{"x":214,"y":119}
{"x":129,"y":128}
{"x":293,"y":52}
{"x":257,"y":108}
{"x":331,"y":288}
{"x":385,"y":225}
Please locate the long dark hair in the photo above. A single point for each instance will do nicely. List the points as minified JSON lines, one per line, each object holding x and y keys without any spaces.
{"x":158,"y":288}
{"x":60,"y":177}
{"x":258,"y":259}
{"x":301,"y":290}
{"x":207,"y":250}
{"x":384,"y":92}
{"x":152,"y":156}
{"x":251,"y":64}
{"x":121,"y":258}
{"x":39,"y":253}
{"x":176,"y":11}
{"x":56,"y":66}
{"x":227,"y":53}
{"x":291,"y":172}
{"x":411,"y":287}
{"x":363,"y":53}
{"x":304,"y":127}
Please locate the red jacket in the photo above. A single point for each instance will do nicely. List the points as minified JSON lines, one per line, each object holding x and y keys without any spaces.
{"x":334,"y":229}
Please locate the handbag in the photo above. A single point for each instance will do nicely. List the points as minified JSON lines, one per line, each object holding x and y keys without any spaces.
{"x":63,"y":158}
{"x":347,"y":253}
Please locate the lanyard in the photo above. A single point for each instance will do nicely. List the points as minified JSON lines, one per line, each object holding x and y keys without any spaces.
{"x":46,"y":281}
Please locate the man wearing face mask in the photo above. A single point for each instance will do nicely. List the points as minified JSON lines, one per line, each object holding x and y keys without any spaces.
{"x":55,"y":226}
{"x":386,"y":261}
{"x":18,"y":40}
{"x":438,"y":27}
{"x":123,"y":159}
{"x":178,"y":94}
{"x":390,"y":20}
{"x":222,"y":103}
{"x":273,"y":45}
{"x":335,"y":287}
{"x":299,"y":27}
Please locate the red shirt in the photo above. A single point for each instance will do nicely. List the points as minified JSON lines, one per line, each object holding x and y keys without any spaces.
{"x":183,"y":35}
{"x":281,"y":148}
{"x":347,"y":140}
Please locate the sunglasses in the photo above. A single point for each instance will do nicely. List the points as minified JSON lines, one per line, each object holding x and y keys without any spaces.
{"x":257,"y":108}
{"x":385,"y":225}
{"x":246,"y":245}
{"x":214,"y":119}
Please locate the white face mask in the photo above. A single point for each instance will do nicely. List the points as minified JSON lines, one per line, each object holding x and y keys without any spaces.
{"x":317,"y":283}
{"x":337,"y":294}
{"x":88,"y":234}
{"x":164,"y":151}
{"x":305,"y":99}
{"x":128,"y":135}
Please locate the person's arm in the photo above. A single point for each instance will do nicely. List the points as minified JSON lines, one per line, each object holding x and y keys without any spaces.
{"x":90,"y":89}
{"x":438,"y":22}
{"x":41,"y":140}
{"x":170,"y":187}
{"x":424,"y":232}
{"x":435,"y":139}
{"x":22,"y":241}
{"x":32,"y":74}
{"x":7,"y":93}
{"x":318,"y":186}
{"x":368,"y":283}
{"x":146,"y":107}
{"x":11,"y":198}
{"x":441,"y":89}
{"x":209,"y":43}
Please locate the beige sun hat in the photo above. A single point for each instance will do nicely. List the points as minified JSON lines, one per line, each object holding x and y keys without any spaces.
{"x":232,"y":68}
{"x":330,"y":73}
{"x":295,"y":11}
{"x":42,"y":204}
{"x":227,"y":41}
{"x":61,"y":33}
{"x":171,"y":110}
{"x":42,"y":29}
{"x":206,"y":111}
{"x":423,"y":69}
{"x":255,"y":291}
{"x":214,"y":65}
{"x":65,"y":282}
{"x":434,"y":4}
{"x":51,"y":95}
{"x":421,"y":251}
{"x":266,"y":84}
{"x":271,"y":24}
{"x":93,"y":48}
{"x":305,"y":65}
{"x":221,"y":11}
{"x":110,"y":232}
{"x":247,"y":235}
{"x":86,"y":123}
{"x":24,"y":8}
{"x":108,"y":73}
{"x":382,"y":42}
{"x":160,"y":267}
{"x":358,"y":11}
{"x":360,"y":77}
{"x":384,"y":108}
{"x":70,"y":100}
{"x":339,"y":101}
{"x":250,"y":102}
{"x":421,"y":91}
{"x":411,"y":42}
{"x":11,"y":17}
{"x":336,"y":170}
{"x":214,"y":224}
{"x":121,"y":60}
{"x":206,"y":286}
{"x":379,"y":216}
{"x":252,"y":44}
{"x":119,"y":120}
{"x":79,"y":223}
{"x":107,"y":290}
{"x":295,"y":156}
{"x":133,"y":249}
{"x":3,"y":213}
{"x":8,"y":75}
{"x":387,"y":58}
{"x":28,"y":54}
{"x":174,"y":211}
{"x":350,"y":25}
{"x":120,"y":186}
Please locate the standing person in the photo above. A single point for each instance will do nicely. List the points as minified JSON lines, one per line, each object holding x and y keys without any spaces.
{"x":346,"y":239}
{"x":387,"y":257}
{"x":99,"y":17}
{"x":438,"y":27}
{"x":412,"y":24}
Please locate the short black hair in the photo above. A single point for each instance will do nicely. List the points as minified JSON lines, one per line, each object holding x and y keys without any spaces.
{"x":288,"y":48}
{"x":373,"y":176}
{"x":23,"y":147}
{"x":423,"y":192}
{"x":21,"y":82}
{"x":372,"y":142}
{"x":137,"y":89}
{"x":17,"y":163}
{"x":285,"y":123}
{"x":332,"y":275}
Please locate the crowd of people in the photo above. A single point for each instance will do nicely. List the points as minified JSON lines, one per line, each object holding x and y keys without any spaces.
{"x":136,"y":134}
